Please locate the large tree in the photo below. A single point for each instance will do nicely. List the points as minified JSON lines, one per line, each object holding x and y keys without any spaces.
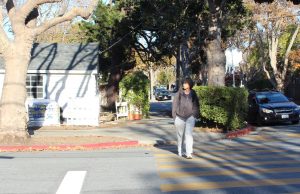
{"x":277,"y":27}
{"x":225,"y":18}
{"x":16,"y":54}
{"x":192,"y":31}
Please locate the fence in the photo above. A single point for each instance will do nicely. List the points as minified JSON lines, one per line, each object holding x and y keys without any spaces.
{"x":82,"y":111}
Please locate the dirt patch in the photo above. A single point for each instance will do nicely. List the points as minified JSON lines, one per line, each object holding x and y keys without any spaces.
{"x":74,"y":140}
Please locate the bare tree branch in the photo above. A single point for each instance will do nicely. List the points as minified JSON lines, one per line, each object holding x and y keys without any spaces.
{"x":84,"y":13}
{"x":287,"y":53}
{"x":28,"y":7}
{"x":11,"y":9}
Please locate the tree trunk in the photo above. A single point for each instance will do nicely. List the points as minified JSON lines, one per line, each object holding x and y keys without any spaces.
{"x":116,"y":70}
{"x":216,"y":60}
{"x":151,"y":76}
{"x":184,"y":60}
{"x":111,"y":92}
{"x":13,"y":114}
{"x":280,"y":84}
{"x":178,"y":70}
{"x":183,"y":68}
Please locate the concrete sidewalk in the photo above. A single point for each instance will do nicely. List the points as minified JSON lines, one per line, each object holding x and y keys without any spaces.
{"x":150,"y":131}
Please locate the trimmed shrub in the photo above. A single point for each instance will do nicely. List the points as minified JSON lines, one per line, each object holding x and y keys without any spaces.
{"x":135,"y":90}
{"x":225,"y":106}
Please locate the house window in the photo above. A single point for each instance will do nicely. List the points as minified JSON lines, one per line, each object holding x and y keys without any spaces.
{"x":34,"y":86}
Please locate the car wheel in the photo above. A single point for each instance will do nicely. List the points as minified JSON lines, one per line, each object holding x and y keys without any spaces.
{"x":295,"y":122}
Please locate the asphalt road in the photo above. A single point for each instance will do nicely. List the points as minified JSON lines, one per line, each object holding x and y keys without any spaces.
{"x":266,"y":161}
{"x":109,"y":171}
{"x":161,"y":108}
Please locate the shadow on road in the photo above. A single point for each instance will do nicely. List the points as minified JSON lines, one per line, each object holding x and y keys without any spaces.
{"x":6,"y":157}
{"x":239,"y":166}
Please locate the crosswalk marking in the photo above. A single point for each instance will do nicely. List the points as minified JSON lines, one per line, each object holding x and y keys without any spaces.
{"x":72,"y":183}
{"x":216,"y":148}
{"x":177,"y":172}
{"x":227,"y":164}
{"x":218,"y":172}
{"x":199,"y":152}
{"x":264,"y":138}
{"x":227,"y":184}
{"x":293,"y":135}
{"x":206,"y":156}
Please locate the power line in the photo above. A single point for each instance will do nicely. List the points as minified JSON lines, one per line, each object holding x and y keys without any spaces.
{"x":118,"y":41}
{"x":122,"y":38}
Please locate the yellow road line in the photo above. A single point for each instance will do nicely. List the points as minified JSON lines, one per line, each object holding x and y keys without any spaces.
{"x":228,"y":164}
{"x":293,"y":135}
{"x":226,"y":172}
{"x":235,"y":147}
{"x":208,"y":157}
{"x":226,"y":152}
{"x":264,"y":138}
{"x":227,"y":184}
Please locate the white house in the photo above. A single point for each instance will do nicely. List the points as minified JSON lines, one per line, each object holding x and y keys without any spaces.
{"x":64,"y":73}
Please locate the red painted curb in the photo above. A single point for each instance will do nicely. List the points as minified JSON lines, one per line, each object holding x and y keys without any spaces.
{"x":68,"y":147}
{"x":240,"y":132}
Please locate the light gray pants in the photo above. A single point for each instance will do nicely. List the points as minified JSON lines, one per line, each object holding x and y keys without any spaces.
{"x":185,"y":135}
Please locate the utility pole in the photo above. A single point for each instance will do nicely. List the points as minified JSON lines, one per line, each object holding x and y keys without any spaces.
{"x":151,"y":81}
{"x":233,"y":68}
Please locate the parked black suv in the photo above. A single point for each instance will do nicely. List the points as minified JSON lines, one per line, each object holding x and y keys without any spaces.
{"x":272,"y":106}
{"x":163,"y":95}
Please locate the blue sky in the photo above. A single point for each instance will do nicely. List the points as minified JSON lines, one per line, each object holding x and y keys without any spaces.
{"x":233,"y":57}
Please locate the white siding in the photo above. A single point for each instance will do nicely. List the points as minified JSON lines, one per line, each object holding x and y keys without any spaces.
{"x":63,"y":87}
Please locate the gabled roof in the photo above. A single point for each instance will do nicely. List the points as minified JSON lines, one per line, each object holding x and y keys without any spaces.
{"x":67,"y":57}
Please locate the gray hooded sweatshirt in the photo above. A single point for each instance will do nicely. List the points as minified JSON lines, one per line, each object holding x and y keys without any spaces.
{"x":185,"y":106}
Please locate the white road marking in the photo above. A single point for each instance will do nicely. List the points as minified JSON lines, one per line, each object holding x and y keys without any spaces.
{"x":72,"y":183}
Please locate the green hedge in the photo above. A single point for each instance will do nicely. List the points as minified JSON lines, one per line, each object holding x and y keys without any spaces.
{"x":135,"y":90}
{"x":225,"y":106}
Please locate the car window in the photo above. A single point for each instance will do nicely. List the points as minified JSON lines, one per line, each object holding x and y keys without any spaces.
{"x":271,"y":98}
{"x":164,"y":91}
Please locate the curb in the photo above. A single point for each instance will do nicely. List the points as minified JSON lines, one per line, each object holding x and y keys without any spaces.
{"x":69,"y":147}
{"x":241,"y":132}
